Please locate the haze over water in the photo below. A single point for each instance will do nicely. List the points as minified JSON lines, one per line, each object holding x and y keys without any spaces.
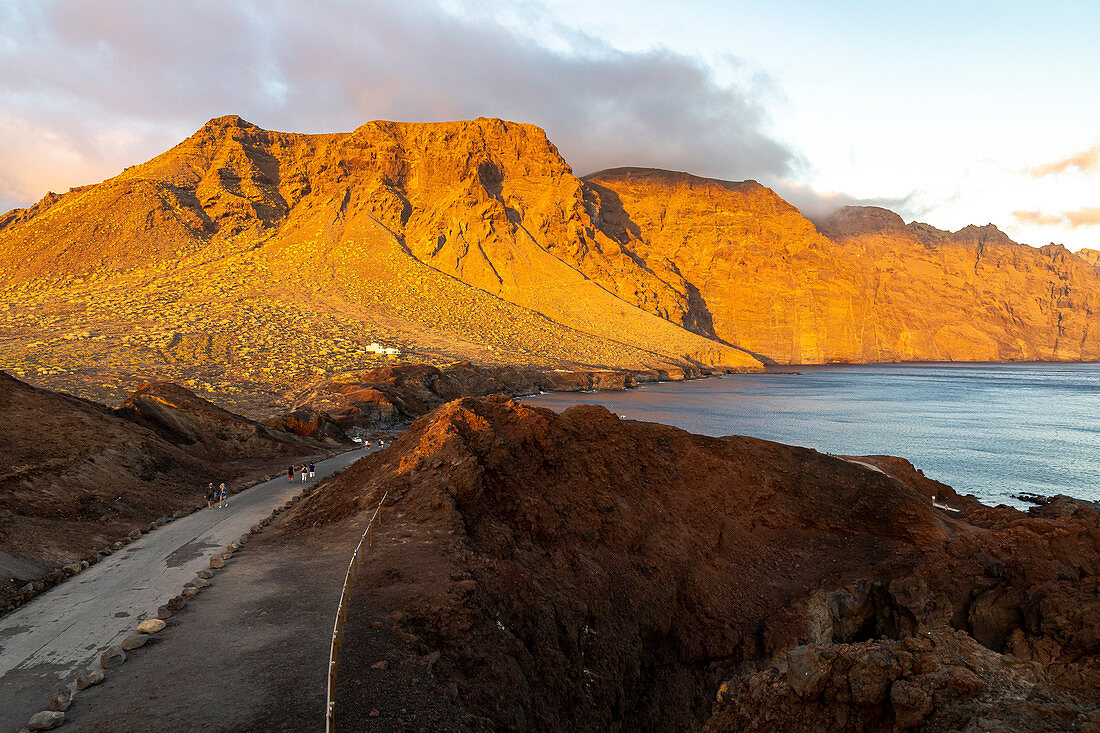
{"x":992,"y":430}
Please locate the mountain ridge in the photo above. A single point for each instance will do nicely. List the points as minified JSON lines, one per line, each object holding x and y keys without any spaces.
{"x":253,"y":263}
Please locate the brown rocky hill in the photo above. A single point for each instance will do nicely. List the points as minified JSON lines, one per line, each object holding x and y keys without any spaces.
{"x":581,"y":572}
{"x":251,"y":264}
{"x":78,"y":476}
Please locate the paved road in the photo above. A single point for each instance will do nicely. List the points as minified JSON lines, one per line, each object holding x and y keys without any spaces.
{"x":47,"y":642}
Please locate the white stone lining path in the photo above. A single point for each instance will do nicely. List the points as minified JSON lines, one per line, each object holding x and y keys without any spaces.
{"x":48,"y":641}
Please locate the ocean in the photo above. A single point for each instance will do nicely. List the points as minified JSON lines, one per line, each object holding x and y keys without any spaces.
{"x":992,"y":430}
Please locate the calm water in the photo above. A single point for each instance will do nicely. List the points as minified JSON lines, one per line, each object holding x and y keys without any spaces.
{"x":992,"y":430}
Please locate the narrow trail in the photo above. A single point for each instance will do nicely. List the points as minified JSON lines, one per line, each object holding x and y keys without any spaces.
{"x":47,"y":642}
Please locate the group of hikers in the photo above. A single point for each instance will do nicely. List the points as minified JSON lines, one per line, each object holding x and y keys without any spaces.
{"x":220,"y":495}
{"x":308,"y":472}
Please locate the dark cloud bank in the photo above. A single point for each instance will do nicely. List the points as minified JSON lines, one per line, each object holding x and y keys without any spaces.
{"x":157,"y":71}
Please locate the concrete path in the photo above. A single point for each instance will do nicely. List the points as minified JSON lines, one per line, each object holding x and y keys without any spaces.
{"x":47,"y":642}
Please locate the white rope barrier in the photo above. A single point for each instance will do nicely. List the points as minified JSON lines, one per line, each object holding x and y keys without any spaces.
{"x":357,"y":559}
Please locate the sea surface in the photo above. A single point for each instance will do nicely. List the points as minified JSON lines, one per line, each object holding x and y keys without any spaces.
{"x":992,"y":430}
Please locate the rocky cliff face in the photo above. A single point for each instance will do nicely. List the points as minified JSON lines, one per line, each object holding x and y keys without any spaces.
{"x":578,"y":571}
{"x":250,"y":263}
{"x":1091,"y":256}
{"x":861,"y":286}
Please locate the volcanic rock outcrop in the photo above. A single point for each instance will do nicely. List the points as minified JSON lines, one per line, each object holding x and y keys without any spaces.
{"x":397,"y":394}
{"x":578,"y":571}
{"x":207,"y":431}
{"x":250,"y":264}
{"x":79,"y":476}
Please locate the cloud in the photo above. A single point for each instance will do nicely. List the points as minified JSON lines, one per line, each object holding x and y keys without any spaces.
{"x":1038,"y":218}
{"x":87,"y":88}
{"x":1086,"y":216}
{"x":815,"y":204}
{"x":1083,"y":162}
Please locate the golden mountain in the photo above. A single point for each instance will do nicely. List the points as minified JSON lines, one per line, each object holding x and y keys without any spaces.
{"x":250,"y":264}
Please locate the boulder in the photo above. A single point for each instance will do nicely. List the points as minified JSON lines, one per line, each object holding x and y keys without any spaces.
{"x":199,"y":582}
{"x":151,"y":626}
{"x":164,"y":612}
{"x":205,"y":573}
{"x":216,"y":562}
{"x":133,"y":641}
{"x":911,"y":702}
{"x":61,"y":701}
{"x":806,"y":671}
{"x":965,"y":682}
{"x":176,"y":604}
{"x":189,"y":591}
{"x":72,"y":568}
{"x":135,"y":535}
{"x":46,"y":720}
{"x":89,"y":678}
{"x":112,"y":658}
{"x":871,"y":676}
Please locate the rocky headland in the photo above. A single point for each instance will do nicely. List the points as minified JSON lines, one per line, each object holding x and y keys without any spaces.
{"x":395,"y":395}
{"x":564,"y":571}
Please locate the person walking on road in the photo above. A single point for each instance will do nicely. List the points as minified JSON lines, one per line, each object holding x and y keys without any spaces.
{"x":305,"y":473}
{"x":210,"y":495}
{"x":312,"y":471}
{"x":290,"y":474}
{"x":223,"y":496}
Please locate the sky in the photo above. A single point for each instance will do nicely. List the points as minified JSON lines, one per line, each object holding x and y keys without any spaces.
{"x":950,"y":113}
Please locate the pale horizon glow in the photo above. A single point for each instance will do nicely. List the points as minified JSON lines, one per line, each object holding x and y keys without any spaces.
{"x":949,"y":113}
